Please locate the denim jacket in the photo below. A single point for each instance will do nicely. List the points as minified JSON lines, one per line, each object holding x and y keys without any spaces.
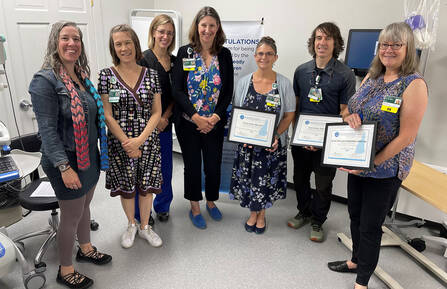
{"x":52,"y":106}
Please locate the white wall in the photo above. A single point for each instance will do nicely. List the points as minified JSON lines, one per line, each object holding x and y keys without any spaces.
{"x":117,"y":12}
{"x":290,"y":23}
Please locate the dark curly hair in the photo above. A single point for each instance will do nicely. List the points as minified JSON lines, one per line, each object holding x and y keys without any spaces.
{"x":330,"y":29}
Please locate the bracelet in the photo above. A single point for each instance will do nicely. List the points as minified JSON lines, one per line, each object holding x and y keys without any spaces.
{"x":277,"y":135}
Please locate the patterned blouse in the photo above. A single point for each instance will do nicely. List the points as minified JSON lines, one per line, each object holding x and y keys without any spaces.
{"x":204,"y":85}
{"x":132,"y":112}
{"x":367,"y":103}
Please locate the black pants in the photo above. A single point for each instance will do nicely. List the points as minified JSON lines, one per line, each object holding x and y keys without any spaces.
{"x":196,"y":145}
{"x":369,"y":200}
{"x":314,"y":203}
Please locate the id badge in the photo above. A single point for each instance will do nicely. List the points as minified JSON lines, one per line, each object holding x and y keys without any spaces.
{"x":391,"y":103}
{"x":273,"y":100}
{"x":114,"y":96}
{"x":189,"y":64}
{"x":315,"y":94}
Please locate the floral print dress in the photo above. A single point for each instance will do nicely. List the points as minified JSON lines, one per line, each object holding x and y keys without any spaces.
{"x":259,"y":177}
{"x":204,"y":86}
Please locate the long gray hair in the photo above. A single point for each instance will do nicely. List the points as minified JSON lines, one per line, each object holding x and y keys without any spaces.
{"x":52,"y":59}
{"x":397,"y":32}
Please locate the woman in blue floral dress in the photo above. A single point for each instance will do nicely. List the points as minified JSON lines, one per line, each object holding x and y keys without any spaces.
{"x":259,"y":175}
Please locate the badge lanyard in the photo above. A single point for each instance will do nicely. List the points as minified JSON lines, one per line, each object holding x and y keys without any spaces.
{"x":273,"y":99}
{"x":391,"y":103}
{"x":114,"y":94}
{"x":315,"y":93}
{"x":189,"y":64}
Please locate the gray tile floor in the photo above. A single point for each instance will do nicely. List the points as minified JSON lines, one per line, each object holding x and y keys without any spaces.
{"x":223,"y":255}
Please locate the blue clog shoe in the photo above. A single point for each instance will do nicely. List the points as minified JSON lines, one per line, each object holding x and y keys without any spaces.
{"x":197,"y":221}
{"x":215,"y":214}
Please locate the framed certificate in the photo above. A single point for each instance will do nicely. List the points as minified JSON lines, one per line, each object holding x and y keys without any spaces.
{"x":349,"y":148}
{"x":309,"y":129}
{"x":252,"y":127}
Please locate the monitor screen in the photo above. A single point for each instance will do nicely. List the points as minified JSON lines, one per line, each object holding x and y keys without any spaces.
{"x":361,"y":48}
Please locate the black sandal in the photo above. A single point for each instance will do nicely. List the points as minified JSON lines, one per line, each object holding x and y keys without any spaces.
{"x":74,"y":280}
{"x":93,"y":256}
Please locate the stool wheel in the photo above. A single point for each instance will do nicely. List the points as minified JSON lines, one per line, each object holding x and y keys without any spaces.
{"x":40,"y":267}
{"x":35,"y":281}
{"x":94,"y":225}
{"x":418,"y":244}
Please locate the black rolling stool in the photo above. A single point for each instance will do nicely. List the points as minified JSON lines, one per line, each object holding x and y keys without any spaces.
{"x":40,"y":204}
{"x":31,"y":143}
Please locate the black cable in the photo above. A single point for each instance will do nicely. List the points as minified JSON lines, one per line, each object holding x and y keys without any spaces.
{"x":13,"y":110}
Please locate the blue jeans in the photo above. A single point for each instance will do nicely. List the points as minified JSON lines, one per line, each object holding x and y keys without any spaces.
{"x":163,"y":200}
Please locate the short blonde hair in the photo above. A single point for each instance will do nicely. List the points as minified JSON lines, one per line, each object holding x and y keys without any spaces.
{"x":159,"y":20}
{"x":397,"y":32}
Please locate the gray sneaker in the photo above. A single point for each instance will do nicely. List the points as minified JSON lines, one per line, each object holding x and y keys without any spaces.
{"x":316,"y":233}
{"x":298,"y":221}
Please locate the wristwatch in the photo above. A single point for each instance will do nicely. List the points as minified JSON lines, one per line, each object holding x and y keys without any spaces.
{"x":63,"y":167}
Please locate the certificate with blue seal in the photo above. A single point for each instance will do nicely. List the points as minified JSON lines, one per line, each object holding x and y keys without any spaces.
{"x":252,"y":127}
{"x":309,"y":129}
{"x":349,"y":148}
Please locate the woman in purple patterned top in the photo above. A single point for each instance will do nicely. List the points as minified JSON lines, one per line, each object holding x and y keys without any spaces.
{"x":132,"y":108}
{"x":395,"y":96}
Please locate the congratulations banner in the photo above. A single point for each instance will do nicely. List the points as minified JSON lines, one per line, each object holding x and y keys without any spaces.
{"x":242,"y":38}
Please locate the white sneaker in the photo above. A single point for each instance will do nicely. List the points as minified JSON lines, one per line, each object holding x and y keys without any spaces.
{"x":128,"y":237}
{"x":148,"y":234}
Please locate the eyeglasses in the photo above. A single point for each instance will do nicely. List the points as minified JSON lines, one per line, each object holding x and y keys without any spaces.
{"x":164,"y":32}
{"x":267,"y":54}
{"x":395,"y":46}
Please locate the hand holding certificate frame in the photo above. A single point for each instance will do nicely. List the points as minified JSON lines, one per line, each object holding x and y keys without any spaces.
{"x":349,"y":148}
{"x":309,"y":129}
{"x":252,"y":127}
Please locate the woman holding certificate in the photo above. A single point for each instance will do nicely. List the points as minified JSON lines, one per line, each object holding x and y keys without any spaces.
{"x":203,"y":87}
{"x":395,"y":96}
{"x":259,"y":174}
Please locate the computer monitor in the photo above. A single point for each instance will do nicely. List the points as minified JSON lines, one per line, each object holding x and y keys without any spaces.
{"x":361,"y":48}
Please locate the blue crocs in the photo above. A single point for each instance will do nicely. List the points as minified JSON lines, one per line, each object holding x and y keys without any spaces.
{"x":215,"y":214}
{"x":197,"y":221}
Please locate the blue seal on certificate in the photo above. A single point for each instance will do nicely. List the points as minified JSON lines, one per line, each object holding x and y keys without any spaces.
{"x":2,"y":250}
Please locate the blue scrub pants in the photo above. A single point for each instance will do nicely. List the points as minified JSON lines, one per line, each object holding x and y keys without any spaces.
{"x":163,"y":200}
